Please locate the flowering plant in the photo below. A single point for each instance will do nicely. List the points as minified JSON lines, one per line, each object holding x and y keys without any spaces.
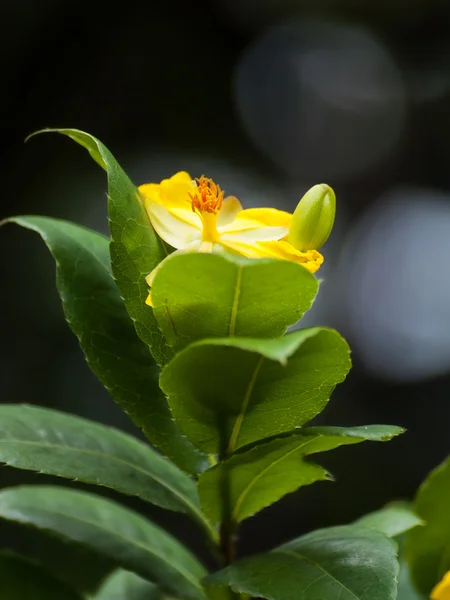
{"x":182,"y":314}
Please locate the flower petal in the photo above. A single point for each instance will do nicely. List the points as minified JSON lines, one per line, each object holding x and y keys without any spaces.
{"x":172,"y":192}
{"x":259,"y":234}
{"x":266,"y":216}
{"x":170,"y":228}
{"x":229,"y":211}
{"x":442,"y":589}
{"x":311,"y":259}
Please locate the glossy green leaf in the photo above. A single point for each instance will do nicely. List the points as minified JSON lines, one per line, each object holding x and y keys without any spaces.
{"x":124,"y":585}
{"x":427,"y":548}
{"x":392,"y":520}
{"x":266,"y":472}
{"x":54,"y":443}
{"x":135,"y":247}
{"x":96,"y":314}
{"x":226,"y":393}
{"x":22,"y":579}
{"x":117,"y":533}
{"x":198,"y":296}
{"x":339,"y":563}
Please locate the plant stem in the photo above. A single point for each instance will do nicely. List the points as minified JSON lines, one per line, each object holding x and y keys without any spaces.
{"x":227,"y":542}
{"x":228,"y":527}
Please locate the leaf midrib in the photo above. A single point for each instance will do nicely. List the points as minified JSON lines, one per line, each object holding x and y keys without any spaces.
{"x":246,"y":490}
{"x":112,"y":458}
{"x":301,"y":558}
{"x":245,"y":402}
{"x":189,"y":576}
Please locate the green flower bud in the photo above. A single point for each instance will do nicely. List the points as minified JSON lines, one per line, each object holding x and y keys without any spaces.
{"x":313,"y":218}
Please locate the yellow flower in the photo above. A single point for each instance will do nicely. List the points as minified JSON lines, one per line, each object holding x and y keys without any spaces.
{"x":193,"y":216}
{"x":442,"y":590}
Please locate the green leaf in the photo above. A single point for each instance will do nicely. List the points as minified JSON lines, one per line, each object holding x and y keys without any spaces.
{"x":427,"y":548}
{"x":392,"y":520}
{"x":199,"y":296}
{"x":124,"y":585}
{"x":339,"y":563}
{"x":96,"y":314}
{"x":51,"y":442}
{"x":266,"y":472}
{"x":109,"y":529}
{"x":226,"y":393}
{"x":22,"y":579}
{"x":135,"y":247}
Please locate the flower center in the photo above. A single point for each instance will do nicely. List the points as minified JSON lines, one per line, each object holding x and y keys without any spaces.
{"x":207,"y":201}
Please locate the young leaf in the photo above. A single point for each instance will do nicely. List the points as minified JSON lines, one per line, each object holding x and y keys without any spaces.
{"x":392,"y":520}
{"x":427,"y":548}
{"x":226,"y":393}
{"x":339,"y":563}
{"x":109,"y":529}
{"x":124,"y":585}
{"x":266,"y":472}
{"x":199,"y":295}
{"x":96,"y":314}
{"x":135,"y":247}
{"x":54,"y":443}
{"x":22,"y":579}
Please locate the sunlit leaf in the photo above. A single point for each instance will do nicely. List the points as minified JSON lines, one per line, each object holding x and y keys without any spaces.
{"x":209,"y":295}
{"x":260,"y":476}
{"x":226,"y":393}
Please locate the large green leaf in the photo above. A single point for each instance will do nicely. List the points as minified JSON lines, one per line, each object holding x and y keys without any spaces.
{"x":198,"y":296}
{"x":51,"y":442}
{"x":260,"y":476}
{"x":96,"y":314}
{"x":392,"y":520}
{"x":113,"y":531}
{"x":21,"y":579}
{"x":124,"y":585}
{"x":226,"y":393}
{"x":427,"y":548}
{"x":340,"y":563}
{"x":135,"y":247}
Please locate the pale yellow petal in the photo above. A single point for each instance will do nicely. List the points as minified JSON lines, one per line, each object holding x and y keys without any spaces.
{"x":442,"y":590}
{"x":259,"y":234}
{"x":171,"y":229}
{"x":229,"y":211}
{"x":311,"y":259}
{"x":188,"y":216}
{"x":266,"y":216}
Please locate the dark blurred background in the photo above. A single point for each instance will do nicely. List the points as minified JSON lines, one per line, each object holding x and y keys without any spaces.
{"x":268,"y":97}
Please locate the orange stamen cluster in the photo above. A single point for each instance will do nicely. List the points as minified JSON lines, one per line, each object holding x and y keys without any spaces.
{"x":208,"y":196}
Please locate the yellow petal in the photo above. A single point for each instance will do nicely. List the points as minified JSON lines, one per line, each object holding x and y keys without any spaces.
{"x":170,"y":228}
{"x":188,"y":216}
{"x":171,"y":193}
{"x":311,"y":259}
{"x":259,"y":234}
{"x":442,"y":590}
{"x":229,"y":211}
{"x":267,"y":216}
